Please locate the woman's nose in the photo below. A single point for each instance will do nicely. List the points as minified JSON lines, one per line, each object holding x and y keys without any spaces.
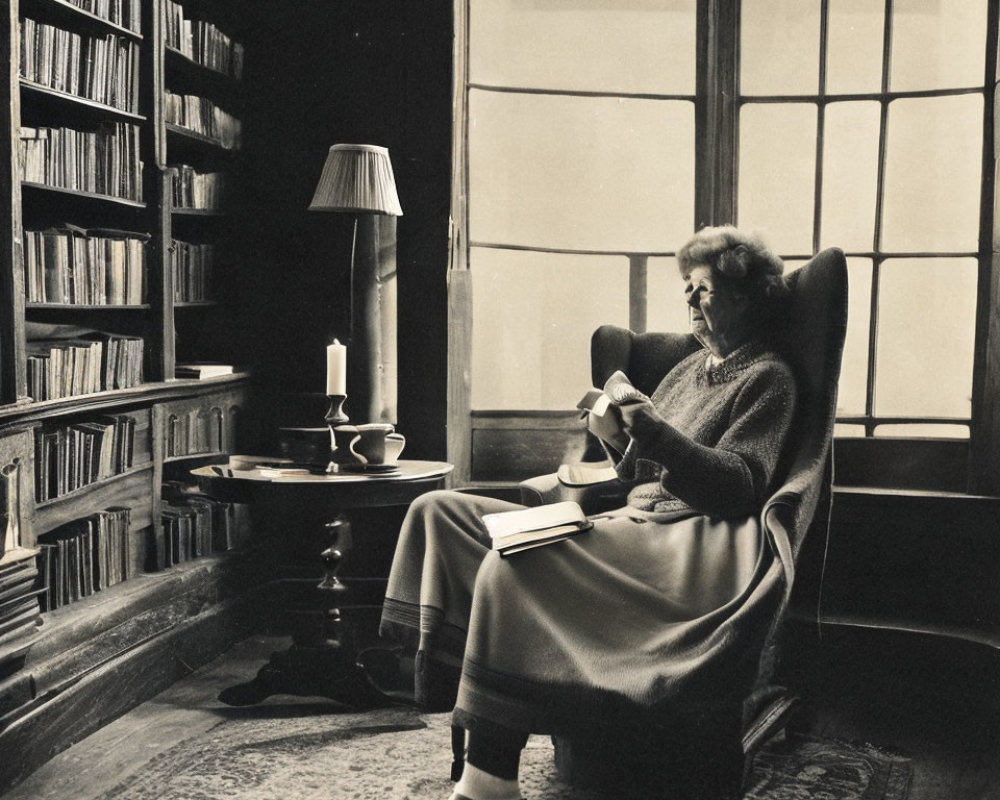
{"x":694,"y":299}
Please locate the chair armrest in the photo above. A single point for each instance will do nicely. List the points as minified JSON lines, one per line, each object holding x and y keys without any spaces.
{"x":595,"y":497}
{"x":540,"y":490}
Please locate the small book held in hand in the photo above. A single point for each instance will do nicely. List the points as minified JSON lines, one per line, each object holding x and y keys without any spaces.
{"x":514,"y":531}
{"x":602,"y":407}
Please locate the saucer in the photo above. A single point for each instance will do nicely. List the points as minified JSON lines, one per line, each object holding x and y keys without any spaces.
{"x":380,"y":469}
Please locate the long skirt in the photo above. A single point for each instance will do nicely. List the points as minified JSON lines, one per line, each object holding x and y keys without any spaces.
{"x":643,"y":616}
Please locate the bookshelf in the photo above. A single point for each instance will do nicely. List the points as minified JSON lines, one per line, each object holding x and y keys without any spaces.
{"x":121,"y":141}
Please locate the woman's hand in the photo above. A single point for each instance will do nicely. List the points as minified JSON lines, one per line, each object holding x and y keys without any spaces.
{"x":631,"y":409}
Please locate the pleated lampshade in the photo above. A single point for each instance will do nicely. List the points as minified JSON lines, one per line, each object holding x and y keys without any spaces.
{"x":357,"y":177}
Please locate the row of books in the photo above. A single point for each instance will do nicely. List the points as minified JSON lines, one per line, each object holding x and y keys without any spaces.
{"x":69,"y":457}
{"x":196,"y":526}
{"x":198,"y":431}
{"x":193,"y":189}
{"x":192,"y":265}
{"x":74,"y":266}
{"x":103,"y":161}
{"x":203,"y":116}
{"x":120,"y":12}
{"x":203,"y":42}
{"x":105,"y":70}
{"x":93,"y":362}
{"x":85,"y":556}
{"x":19,"y":609}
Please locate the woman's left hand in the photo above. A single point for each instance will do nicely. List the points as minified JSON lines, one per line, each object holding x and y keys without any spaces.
{"x":631,"y":409}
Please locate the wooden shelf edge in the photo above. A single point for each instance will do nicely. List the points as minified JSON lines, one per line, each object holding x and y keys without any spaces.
{"x":203,"y":456}
{"x":69,"y":9}
{"x":69,"y":97}
{"x":82,"y":490}
{"x":185,"y":211}
{"x":77,"y":622}
{"x":26,"y":412}
{"x":962,"y":633}
{"x":192,"y":64}
{"x":103,"y":198}
{"x":193,"y":135}
{"x":875,"y":492}
{"x":86,"y":307}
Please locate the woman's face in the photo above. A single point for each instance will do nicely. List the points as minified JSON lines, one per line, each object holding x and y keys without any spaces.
{"x":718,"y":313}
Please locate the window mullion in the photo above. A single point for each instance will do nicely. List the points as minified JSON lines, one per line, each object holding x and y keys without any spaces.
{"x":716,"y":112}
{"x":984,"y":456}
{"x":824,"y":18}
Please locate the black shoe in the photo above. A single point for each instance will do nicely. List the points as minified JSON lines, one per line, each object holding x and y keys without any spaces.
{"x":389,"y":673}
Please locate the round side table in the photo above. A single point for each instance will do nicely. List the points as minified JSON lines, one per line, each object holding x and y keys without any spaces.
{"x":305,"y":536}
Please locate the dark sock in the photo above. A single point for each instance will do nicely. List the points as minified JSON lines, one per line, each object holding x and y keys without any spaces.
{"x":500,"y":758}
{"x":436,"y":684}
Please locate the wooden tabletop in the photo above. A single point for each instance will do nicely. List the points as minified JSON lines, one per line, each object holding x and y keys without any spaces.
{"x":269,"y":476}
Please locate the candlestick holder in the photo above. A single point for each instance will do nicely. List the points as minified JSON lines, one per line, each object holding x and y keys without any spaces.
{"x":336,"y":414}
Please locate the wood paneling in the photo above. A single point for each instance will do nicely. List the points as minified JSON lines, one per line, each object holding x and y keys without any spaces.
{"x":923,"y":562}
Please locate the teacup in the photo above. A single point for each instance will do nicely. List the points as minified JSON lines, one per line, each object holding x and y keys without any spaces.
{"x":373,"y":444}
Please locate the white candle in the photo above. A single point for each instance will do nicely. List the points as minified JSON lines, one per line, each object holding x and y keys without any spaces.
{"x":336,"y":368}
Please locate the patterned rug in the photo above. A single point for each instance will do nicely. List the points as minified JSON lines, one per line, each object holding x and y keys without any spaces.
{"x":400,"y":754}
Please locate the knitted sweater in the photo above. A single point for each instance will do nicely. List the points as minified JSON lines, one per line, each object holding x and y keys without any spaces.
{"x":711,"y":437}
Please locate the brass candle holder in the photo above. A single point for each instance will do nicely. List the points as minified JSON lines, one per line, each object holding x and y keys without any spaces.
{"x":336,"y":415}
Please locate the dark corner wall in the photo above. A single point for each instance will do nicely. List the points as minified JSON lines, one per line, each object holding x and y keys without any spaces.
{"x":319,"y":73}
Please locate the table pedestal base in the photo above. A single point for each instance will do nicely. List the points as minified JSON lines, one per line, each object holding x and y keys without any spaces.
{"x":307,"y":672}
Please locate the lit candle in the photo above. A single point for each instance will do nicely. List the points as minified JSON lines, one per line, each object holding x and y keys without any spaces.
{"x":336,"y":369}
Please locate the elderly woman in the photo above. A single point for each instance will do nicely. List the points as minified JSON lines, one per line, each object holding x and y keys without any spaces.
{"x":656,"y":613}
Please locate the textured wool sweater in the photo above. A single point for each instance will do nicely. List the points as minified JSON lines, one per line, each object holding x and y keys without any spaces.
{"x":711,"y":437}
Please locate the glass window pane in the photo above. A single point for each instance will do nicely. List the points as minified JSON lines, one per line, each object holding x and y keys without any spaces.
{"x":627,"y":46}
{"x":938,"y":44}
{"x":850,"y":172}
{"x":854,"y":46}
{"x":923,"y":431}
{"x":853,"y":431}
{"x":587,"y":173}
{"x":933,"y":174}
{"x":666,"y":304}
{"x":926,"y":331}
{"x":777,"y":173}
{"x":532,"y":324}
{"x":779,"y":47}
{"x":853,"y":387}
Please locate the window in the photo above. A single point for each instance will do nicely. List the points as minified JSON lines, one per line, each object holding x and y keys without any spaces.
{"x":581,"y":170}
{"x":600,"y":135}
{"x":865,"y":131}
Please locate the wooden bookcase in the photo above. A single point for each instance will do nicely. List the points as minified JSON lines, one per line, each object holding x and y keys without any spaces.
{"x":82,"y":255}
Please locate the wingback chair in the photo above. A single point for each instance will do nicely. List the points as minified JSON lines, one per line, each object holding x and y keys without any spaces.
{"x":811,"y":337}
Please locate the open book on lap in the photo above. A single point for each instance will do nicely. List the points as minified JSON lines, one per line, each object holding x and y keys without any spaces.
{"x":513,"y":531}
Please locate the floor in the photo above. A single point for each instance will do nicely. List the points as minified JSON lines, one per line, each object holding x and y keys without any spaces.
{"x":938,"y":703}
{"x":932,"y":707}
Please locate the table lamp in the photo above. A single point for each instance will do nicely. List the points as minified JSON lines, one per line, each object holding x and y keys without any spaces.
{"x":358,"y":179}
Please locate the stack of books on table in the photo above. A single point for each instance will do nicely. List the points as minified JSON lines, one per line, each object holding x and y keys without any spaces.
{"x":523,"y":529}
{"x":203,"y":370}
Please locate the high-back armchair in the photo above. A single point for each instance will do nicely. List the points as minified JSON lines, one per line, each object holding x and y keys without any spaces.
{"x":811,"y":337}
